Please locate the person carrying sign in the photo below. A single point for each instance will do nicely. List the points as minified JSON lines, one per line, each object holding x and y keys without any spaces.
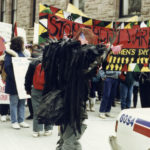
{"x":17,"y":106}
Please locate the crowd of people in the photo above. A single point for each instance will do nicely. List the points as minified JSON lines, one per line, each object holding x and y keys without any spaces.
{"x":122,"y":87}
{"x":15,"y":111}
{"x":110,"y":86}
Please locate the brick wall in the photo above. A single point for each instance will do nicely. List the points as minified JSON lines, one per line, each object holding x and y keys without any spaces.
{"x":101,"y":9}
{"x":98,"y":9}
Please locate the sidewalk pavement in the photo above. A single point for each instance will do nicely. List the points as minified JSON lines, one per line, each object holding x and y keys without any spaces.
{"x":95,"y":137}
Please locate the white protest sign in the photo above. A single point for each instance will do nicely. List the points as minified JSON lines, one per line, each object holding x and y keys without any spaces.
{"x":4,"y":98}
{"x":21,"y":32}
{"x":36,"y":33}
{"x":20,"y":66}
{"x":6,"y":32}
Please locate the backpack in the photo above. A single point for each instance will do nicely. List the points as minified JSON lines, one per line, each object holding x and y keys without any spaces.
{"x":38,"y":78}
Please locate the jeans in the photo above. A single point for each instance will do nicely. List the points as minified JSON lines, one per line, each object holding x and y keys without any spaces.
{"x":125,"y":95}
{"x":68,"y":140}
{"x":36,"y":101}
{"x":17,"y":109}
{"x":109,"y":94}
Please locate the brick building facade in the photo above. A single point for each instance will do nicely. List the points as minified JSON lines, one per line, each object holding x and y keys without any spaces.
{"x":27,"y":11}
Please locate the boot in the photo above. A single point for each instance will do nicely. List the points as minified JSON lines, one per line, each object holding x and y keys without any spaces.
{"x":92,"y":108}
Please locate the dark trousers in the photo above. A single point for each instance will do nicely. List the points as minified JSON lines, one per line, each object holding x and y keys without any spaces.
{"x":109,"y":94}
{"x":29,"y":103}
{"x":135,"y":95}
{"x":144,"y":94}
{"x":4,"y":109}
{"x":118,"y":92}
{"x":96,"y":86}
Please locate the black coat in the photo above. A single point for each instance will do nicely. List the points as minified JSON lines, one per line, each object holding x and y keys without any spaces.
{"x":29,"y":75}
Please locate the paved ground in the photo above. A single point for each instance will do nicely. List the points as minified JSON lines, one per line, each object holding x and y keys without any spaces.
{"x":95,"y":137}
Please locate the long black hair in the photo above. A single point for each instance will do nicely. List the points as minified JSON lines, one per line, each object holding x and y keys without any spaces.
{"x":17,"y":44}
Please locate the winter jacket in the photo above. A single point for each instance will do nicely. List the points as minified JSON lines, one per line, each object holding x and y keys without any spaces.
{"x":10,"y":79}
{"x":29,"y":75}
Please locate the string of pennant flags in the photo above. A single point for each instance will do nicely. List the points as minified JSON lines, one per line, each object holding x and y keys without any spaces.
{"x":89,"y":21}
{"x":46,"y":9}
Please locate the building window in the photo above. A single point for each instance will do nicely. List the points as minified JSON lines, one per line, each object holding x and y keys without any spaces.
{"x":130,"y":8}
{"x":78,"y":4}
{"x":33,"y":13}
{"x":3,"y":10}
{"x":14,"y":11}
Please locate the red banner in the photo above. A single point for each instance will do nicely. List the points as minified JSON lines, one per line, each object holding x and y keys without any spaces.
{"x":129,"y":38}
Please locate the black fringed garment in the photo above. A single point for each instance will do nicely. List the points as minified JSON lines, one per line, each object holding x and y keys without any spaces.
{"x":68,"y":66}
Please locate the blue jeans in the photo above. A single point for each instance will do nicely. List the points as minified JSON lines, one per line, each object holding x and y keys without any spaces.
{"x":17,"y":109}
{"x":36,"y":98}
{"x":125,"y":95}
{"x":109,"y":93}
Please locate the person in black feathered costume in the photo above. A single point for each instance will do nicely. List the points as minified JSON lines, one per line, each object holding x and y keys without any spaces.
{"x":68,"y":66}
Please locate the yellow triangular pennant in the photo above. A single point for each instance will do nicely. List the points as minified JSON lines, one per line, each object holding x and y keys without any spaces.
{"x":42,"y":29}
{"x":128,"y":26}
{"x":145,"y":69}
{"x":60,"y":14}
{"x":131,"y":67}
{"x":89,"y":22}
{"x":109,"y":26}
{"x":42,"y":7}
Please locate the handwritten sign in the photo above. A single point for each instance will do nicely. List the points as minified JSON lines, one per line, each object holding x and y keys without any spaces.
{"x":4,"y":98}
{"x":136,"y":60}
{"x":20,"y":66}
{"x":129,"y":38}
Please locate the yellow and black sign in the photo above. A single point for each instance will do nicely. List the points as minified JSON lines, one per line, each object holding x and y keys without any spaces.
{"x":137,"y":60}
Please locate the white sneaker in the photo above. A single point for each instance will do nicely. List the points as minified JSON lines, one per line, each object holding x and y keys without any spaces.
{"x":109,"y":115}
{"x":49,"y":132}
{"x":15,"y":125}
{"x":24,"y":125}
{"x":3,"y":118}
{"x":102,"y":115}
{"x":35,"y":134}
